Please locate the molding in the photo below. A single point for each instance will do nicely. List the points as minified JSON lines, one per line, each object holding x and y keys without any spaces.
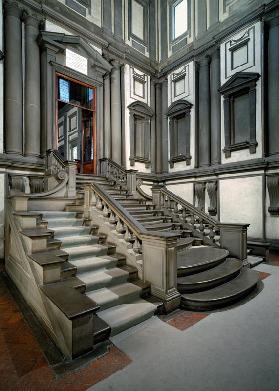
{"x":272,"y":182}
{"x":199,"y":194}
{"x":211,"y":188}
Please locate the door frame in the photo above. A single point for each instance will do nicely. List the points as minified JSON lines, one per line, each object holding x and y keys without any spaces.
{"x":94,"y":111}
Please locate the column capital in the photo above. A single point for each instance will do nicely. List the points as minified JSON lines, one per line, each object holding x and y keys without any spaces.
{"x":116,"y":64}
{"x":12,"y":9}
{"x":205,"y":61}
{"x":31,"y":20}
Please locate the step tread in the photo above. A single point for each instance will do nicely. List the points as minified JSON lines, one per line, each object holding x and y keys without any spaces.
{"x":94,"y":262}
{"x":109,"y":296}
{"x":123,"y":316}
{"x":243,"y":282}
{"x":228,"y":267}
{"x":105,"y":276}
{"x":85,"y":249}
{"x":201,"y":255}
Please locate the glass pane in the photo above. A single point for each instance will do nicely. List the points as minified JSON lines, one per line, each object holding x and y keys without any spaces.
{"x":180,"y":18}
{"x":76,"y":94}
{"x":137,"y":19}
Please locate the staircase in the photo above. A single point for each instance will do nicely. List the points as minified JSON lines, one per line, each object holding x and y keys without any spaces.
{"x":207,"y":276}
{"x":108,"y":281}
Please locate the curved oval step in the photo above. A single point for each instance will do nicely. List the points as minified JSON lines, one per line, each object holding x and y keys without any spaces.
{"x":224,"y":294}
{"x":210,"y":278}
{"x":197,"y":259}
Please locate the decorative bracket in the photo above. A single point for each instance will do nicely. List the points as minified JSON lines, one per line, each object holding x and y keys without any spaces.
{"x":273,"y":191}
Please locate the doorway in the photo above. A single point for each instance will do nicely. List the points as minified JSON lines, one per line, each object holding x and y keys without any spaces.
{"x":76,"y":122}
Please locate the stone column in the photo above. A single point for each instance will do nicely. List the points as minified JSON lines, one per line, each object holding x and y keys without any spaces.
{"x":204,"y":112}
{"x":116,"y":140}
{"x":32,"y":115}
{"x":165,"y":126}
{"x":48,"y":54}
{"x":107,"y":119}
{"x":13,"y":96}
{"x":215,"y":108}
{"x":158,"y":99}
{"x":153,"y":126}
{"x":273,"y":86}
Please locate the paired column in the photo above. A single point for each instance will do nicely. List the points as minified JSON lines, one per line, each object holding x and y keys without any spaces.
{"x":116,"y":134}
{"x":204,"y":112}
{"x":32,"y":88}
{"x":273,"y":86}
{"x":164,"y":125}
{"x":158,"y":100}
{"x":215,"y":107}
{"x":13,"y":80}
{"x":107,"y":117}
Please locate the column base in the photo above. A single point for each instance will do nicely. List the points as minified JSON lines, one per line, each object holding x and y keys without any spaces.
{"x":170,"y":300}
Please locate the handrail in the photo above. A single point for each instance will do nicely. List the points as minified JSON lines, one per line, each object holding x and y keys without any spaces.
{"x":114,"y":211}
{"x":142,"y":192}
{"x":192,"y":218}
{"x":113,"y":172}
{"x":190,"y":207}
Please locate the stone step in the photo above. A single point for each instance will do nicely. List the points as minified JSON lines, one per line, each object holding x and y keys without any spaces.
{"x":54,"y":214}
{"x":152,"y":218}
{"x":196,"y":259}
{"x":224,"y":294}
{"x":77,"y":240}
{"x":221,"y":273}
{"x":159,"y":226}
{"x":124,"y":316}
{"x":70,"y":231}
{"x":94,"y":263}
{"x":62,"y":222}
{"x":187,"y":242}
{"x":119,"y":294}
{"x":146,"y":213}
{"x":101,"y":330}
{"x":101,"y":279}
{"x":77,"y":252}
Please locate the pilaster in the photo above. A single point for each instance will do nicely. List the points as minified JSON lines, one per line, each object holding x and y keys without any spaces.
{"x":116,"y":139}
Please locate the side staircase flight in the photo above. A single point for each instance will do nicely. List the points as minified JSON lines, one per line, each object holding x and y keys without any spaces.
{"x":92,"y":257}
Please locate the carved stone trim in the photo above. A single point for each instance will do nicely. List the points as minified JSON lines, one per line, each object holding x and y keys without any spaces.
{"x":199,"y":191}
{"x":272,"y":182}
{"x":211,"y":188}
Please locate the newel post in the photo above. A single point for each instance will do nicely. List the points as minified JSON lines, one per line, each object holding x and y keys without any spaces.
{"x":156,"y":194}
{"x":233,"y":237}
{"x":72,"y":171}
{"x":160,"y":267}
{"x":132,"y":181}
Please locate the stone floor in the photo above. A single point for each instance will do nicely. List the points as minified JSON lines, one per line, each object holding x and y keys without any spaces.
{"x":235,"y":349}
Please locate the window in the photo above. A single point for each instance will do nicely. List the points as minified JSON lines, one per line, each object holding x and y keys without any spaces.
{"x":79,"y":6}
{"x":140,"y":133}
{"x":240,"y":112}
{"x":180,"y":16}
{"x":179,"y":132}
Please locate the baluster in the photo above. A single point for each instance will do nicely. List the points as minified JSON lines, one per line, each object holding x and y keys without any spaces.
{"x":137,"y":246}
{"x":184,"y":215}
{"x":127,"y":236}
{"x":119,"y":226}
{"x":201,"y":226}
{"x":99,"y":204}
{"x":211,"y":233}
{"x":175,"y":207}
{"x":105,"y":211}
{"x":112,"y":218}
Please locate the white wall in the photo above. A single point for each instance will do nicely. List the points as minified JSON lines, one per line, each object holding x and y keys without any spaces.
{"x":241,"y":202}
{"x":184,"y":190}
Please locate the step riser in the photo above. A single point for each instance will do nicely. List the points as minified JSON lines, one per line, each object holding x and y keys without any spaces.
{"x":105,"y":284}
{"x":117,"y":330}
{"x":198,"y":287}
{"x":74,"y":232}
{"x":92,"y":267}
{"x":121,"y":300}
{"x":91,"y":252}
{"x":65,"y":223}
{"x":75,"y":243}
{"x":198,"y":268}
{"x":206,"y":306}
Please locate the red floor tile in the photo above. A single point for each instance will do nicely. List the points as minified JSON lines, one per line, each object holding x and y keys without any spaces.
{"x":185,"y":320}
{"x":24,"y":367}
{"x":264,"y":275}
